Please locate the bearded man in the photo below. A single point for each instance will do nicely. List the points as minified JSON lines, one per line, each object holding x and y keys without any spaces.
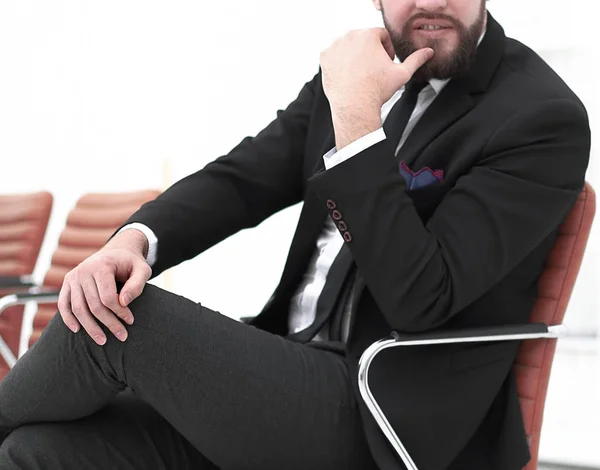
{"x":433,"y":187}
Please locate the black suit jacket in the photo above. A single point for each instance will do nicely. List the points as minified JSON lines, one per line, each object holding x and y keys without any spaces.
{"x":513,"y":142}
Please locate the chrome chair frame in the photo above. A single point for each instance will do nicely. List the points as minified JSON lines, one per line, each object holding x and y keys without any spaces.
{"x":34,"y":294}
{"x":506,"y":333}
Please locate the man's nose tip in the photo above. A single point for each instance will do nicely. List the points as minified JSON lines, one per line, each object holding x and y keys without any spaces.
{"x":431,"y":5}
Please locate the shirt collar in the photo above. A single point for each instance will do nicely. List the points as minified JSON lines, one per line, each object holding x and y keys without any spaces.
{"x":438,"y":85}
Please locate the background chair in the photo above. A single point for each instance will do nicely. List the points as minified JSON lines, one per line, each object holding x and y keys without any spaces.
{"x":23,"y":223}
{"x":534,"y":360}
{"x":89,"y":225}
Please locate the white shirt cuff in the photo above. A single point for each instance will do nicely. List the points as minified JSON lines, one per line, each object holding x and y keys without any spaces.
{"x":333,"y":157}
{"x":150,"y":236}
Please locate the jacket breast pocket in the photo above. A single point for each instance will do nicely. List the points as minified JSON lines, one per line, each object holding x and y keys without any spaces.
{"x":427,"y":199}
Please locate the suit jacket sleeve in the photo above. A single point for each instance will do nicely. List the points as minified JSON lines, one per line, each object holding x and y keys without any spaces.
{"x":259,"y":177}
{"x":519,"y":191}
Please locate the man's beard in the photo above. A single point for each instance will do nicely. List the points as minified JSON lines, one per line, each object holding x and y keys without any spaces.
{"x":460,"y":59}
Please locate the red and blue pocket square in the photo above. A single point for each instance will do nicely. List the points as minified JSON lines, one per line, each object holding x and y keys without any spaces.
{"x":419,"y":179}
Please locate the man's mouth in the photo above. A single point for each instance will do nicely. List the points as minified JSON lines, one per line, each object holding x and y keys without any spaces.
{"x":431,"y":27}
{"x":424,"y":24}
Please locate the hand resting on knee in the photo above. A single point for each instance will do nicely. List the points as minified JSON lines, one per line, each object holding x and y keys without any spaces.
{"x":89,"y":292}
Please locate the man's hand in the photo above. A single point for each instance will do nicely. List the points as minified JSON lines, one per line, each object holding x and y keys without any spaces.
{"x":89,"y":291}
{"x":359,"y":76}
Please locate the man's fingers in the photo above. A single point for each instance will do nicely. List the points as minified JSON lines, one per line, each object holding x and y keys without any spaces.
{"x":64,"y":308}
{"x":416,"y":60}
{"x":134,"y":286}
{"x":107,"y":289}
{"x":81,"y":310}
{"x":97,"y":308}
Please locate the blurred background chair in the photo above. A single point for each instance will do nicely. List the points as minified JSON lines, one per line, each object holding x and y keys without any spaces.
{"x":536,"y":352}
{"x":23,"y":223}
{"x":89,"y":225}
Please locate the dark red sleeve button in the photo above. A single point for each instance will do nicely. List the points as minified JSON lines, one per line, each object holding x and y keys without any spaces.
{"x":337,"y":215}
{"x":331,"y":204}
{"x":347,"y":237}
{"x":342,"y":226}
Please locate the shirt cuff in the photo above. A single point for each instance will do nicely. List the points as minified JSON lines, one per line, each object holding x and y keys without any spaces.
{"x":150,"y":236}
{"x":333,"y":157}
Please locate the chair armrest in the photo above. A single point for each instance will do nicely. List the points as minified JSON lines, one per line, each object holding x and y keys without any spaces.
{"x":477,"y":335}
{"x":8,"y":282}
{"x":35,"y":295}
{"x":470,"y":335}
{"x":21,"y":298}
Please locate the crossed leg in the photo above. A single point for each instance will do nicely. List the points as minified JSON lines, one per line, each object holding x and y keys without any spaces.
{"x":126,"y":434}
{"x":243,"y":398}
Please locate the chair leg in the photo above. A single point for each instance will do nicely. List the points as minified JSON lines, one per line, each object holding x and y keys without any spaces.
{"x":363,"y":384}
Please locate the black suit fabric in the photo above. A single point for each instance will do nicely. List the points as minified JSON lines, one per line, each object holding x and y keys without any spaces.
{"x":513,"y":142}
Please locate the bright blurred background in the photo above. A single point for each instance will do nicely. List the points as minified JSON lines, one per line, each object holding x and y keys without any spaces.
{"x":130,"y":94}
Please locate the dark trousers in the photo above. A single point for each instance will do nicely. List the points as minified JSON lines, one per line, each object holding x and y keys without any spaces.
{"x":206,"y":392}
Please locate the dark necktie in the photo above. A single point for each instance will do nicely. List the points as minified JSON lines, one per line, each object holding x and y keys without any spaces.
{"x":400,"y":114}
{"x":343,"y":273}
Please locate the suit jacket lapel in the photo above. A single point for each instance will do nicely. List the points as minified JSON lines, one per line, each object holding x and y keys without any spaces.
{"x":451,"y":104}
{"x":489,"y":55}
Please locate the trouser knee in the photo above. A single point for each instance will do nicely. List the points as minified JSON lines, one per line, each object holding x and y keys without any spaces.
{"x":144,"y":308}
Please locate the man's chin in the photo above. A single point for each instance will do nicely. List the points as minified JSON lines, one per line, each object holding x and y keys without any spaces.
{"x":440,"y":58}
{"x":438,"y":67}
{"x":443,"y":53}
{"x":443,"y":48}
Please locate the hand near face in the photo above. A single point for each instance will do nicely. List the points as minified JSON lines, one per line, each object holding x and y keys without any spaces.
{"x":358,"y":69}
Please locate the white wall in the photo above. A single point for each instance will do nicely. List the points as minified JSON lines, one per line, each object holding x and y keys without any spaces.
{"x":119,"y":95}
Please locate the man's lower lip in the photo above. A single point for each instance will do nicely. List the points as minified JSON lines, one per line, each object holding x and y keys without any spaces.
{"x":433,"y":32}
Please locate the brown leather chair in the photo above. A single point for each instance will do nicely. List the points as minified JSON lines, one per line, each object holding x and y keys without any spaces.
{"x":89,"y":225}
{"x":534,"y":360}
{"x":23,"y":223}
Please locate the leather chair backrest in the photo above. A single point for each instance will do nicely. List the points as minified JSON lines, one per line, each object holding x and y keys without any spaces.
{"x":23,"y":223}
{"x":92,"y":221}
{"x":534,"y":360}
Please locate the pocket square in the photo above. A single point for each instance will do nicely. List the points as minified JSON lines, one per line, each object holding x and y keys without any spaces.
{"x":424,"y":177}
